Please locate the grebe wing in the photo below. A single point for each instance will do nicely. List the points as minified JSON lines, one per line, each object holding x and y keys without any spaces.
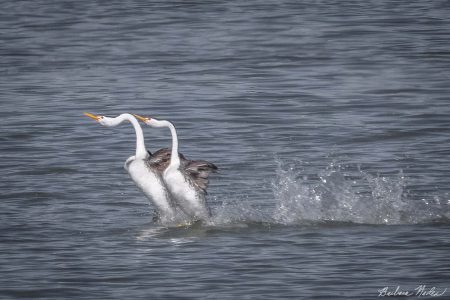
{"x":160,"y":160}
{"x":198,"y":172}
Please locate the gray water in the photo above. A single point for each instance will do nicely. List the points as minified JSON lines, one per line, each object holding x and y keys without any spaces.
{"x":329,"y":121}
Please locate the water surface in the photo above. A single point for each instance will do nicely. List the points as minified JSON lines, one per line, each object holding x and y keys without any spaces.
{"x":329,"y":121}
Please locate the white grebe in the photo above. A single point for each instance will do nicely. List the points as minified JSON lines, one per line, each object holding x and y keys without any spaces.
{"x":186,"y":180}
{"x":145,"y":168}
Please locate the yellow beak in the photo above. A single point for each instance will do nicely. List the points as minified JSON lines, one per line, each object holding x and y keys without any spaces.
{"x":143,"y":119}
{"x":96,"y":118}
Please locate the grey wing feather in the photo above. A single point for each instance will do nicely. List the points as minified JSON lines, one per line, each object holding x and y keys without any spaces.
{"x":198,"y":172}
{"x":160,"y":160}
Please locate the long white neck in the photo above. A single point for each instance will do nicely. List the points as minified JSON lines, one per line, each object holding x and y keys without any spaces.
{"x":141,"y":151}
{"x":175,"y":157}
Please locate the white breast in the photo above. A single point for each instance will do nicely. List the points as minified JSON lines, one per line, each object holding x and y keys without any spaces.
{"x":185,"y":194}
{"x":151,"y":185}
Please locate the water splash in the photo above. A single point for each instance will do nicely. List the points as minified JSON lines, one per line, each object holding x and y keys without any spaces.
{"x":238,"y":212}
{"x":348,"y":196}
{"x":339,"y":194}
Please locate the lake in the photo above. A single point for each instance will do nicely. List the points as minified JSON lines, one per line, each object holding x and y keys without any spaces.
{"x":329,"y":122}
